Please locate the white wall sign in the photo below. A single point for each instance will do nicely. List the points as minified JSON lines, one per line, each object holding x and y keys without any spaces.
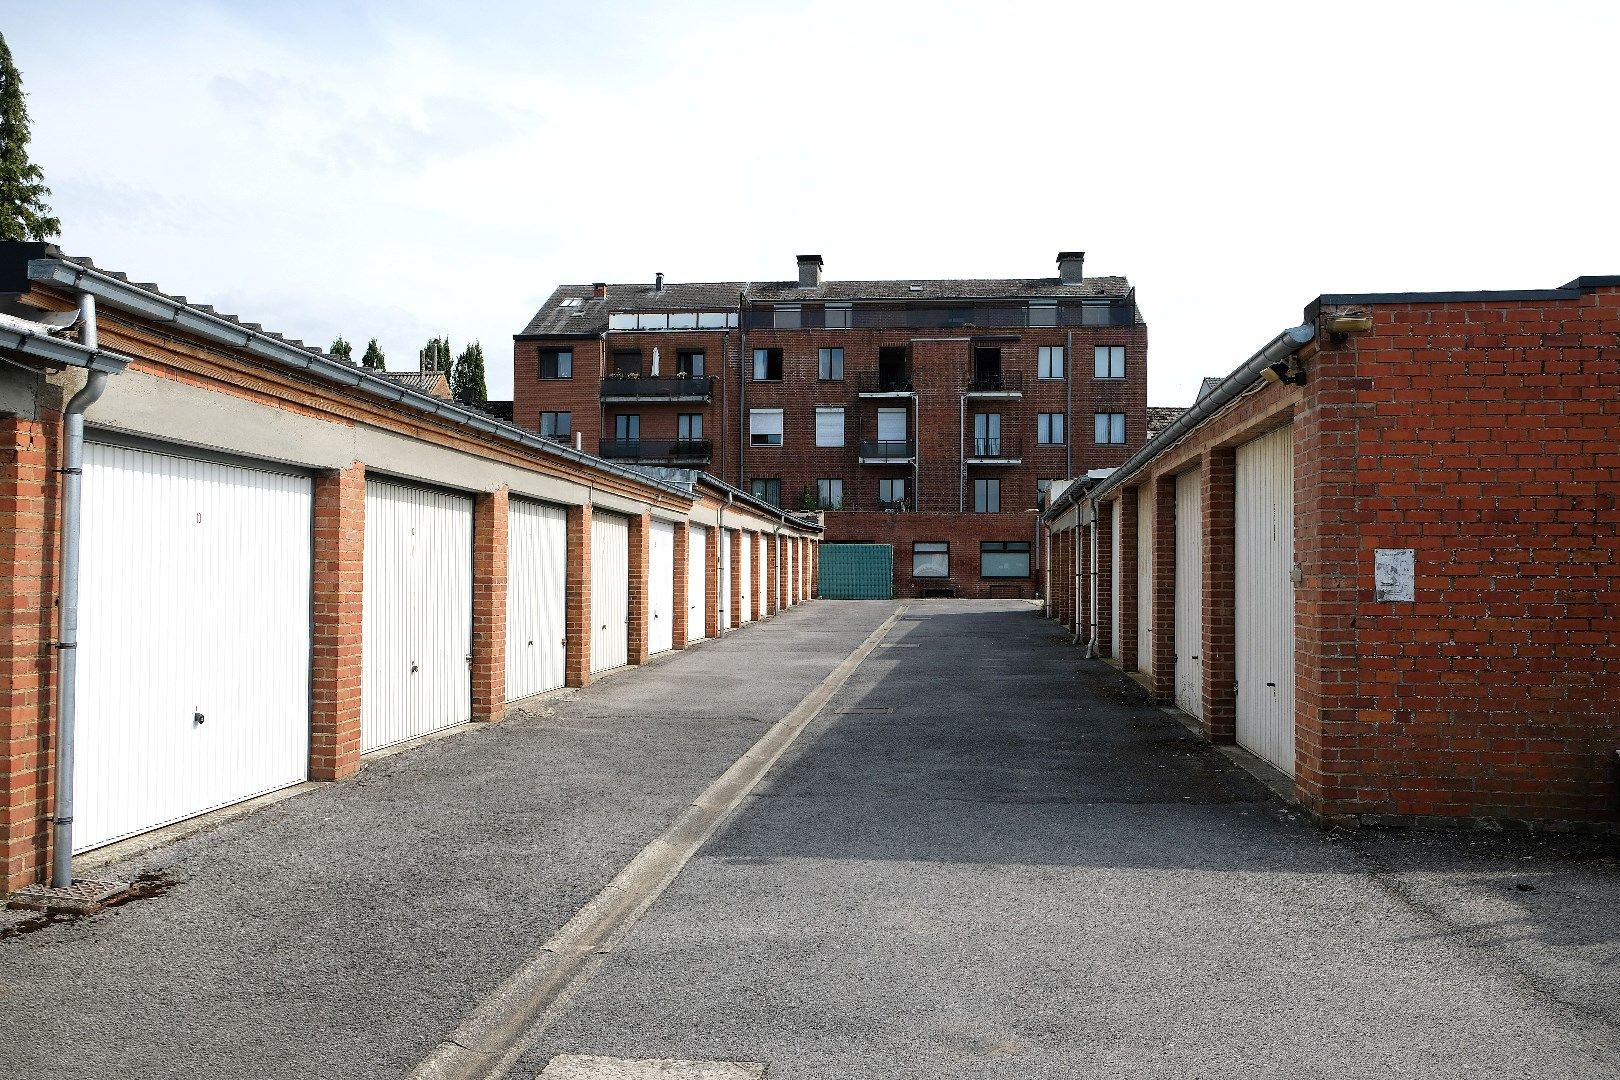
{"x":1394,"y":574}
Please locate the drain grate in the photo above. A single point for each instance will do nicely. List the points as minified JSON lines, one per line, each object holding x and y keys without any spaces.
{"x":591,"y":1067}
{"x":84,"y":896}
{"x":899,"y":645}
{"x":873,"y":710}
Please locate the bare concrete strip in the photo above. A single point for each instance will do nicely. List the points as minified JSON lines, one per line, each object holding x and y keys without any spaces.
{"x":490,"y":1040}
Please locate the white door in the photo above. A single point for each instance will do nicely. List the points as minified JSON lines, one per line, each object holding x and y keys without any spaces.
{"x":610,"y":591}
{"x":194,"y":639}
{"x":745,"y":591}
{"x":1117,"y":647}
{"x":536,"y":597}
{"x":1189,"y":594}
{"x":1144,"y":579}
{"x":725,"y":581}
{"x":697,"y":584}
{"x":417,"y":622}
{"x":661,"y":587}
{"x":1264,"y":595}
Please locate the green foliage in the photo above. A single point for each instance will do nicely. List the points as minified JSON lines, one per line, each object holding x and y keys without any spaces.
{"x":23,"y":213}
{"x":467,"y":384}
{"x":342,"y":350}
{"x":373,"y":360}
{"x":435,"y":355}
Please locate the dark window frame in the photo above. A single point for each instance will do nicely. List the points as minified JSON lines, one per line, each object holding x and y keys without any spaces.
{"x":944,"y":547}
{"x":555,"y":356}
{"x":771,"y":358}
{"x":1006,"y":547}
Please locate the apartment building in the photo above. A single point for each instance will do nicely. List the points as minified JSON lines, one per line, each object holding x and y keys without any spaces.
{"x":927,"y":414}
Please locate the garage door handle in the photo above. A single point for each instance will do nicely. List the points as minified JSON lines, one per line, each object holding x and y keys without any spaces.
{"x":1272,"y":685}
{"x":197,"y":719}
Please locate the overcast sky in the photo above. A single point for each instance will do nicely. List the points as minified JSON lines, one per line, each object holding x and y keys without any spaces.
{"x":404,"y":169}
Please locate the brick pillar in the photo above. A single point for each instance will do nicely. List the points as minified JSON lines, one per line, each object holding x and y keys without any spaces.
{"x":1164,"y":589}
{"x":773,"y":574}
{"x":338,"y":588}
{"x":736,"y":579}
{"x":1105,"y":578}
{"x":1126,"y":508}
{"x":683,"y":558}
{"x":28,"y":513}
{"x":711,"y":584}
{"x":577,"y":663}
{"x":815,"y":568}
{"x":489,"y":605}
{"x":640,"y":586}
{"x":756,"y":597}
{"x":1058,"y":563}
{"x":1081,"y":553}
{"x":1220,"y":629}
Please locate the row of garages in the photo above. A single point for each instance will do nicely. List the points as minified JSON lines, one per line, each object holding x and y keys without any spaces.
{"x":283,"y":568}
{"x":1381,"y":557}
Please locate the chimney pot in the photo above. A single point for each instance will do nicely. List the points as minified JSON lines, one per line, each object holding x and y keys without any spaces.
{"x":809,"y":271}
{"x":600,"y":290}
{"x":1071,"y":267}
{"x":658,"y":281}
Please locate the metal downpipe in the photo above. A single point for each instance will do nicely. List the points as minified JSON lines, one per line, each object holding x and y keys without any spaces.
{"x":67,"y":638}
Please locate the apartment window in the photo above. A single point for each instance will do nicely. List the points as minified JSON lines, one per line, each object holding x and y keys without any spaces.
{"x":987,"y":435}
{"x":627,"y":428}
{"x":770,"y":490}
{"x":829,"y":426}
{"x":1043,"y":313}
{"x":838,"y":316}
{"x":627,"y":363}
{"x":832,"y":365}
{"x":891,"y":425}
{"x":1049,"y":429}
{"x":765,"y":427}
{"x":557,"y":425}
{"x":767,"y":365}
{"x":689,"y":427}
{"x":892,"y":492}
{"x":690,"y":361}
{"x":830,"y":494}
{"x":556,"y":363}
{"x":1110,"y":427}
{"x":785,"y":317}
{"x":1004,"y":559}
{"x":930,"y":559}
{"x":987,"y":496}
{"x":1110,"y":361}
{"x":1050,"y":362}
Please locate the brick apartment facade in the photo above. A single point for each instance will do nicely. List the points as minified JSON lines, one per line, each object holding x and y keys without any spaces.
{"x":986,"y":388}
{"x":1472,"y":435}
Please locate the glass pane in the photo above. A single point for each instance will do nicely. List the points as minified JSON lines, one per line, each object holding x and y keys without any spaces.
{"x":925,"y":564}
{"x":1004,"y":564}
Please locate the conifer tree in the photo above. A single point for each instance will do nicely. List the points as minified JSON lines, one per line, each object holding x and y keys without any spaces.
{"x":23,"y":213}
{"x":467,"y":384}
{"x":373,"y":360}
{"x":435,"y":355}
{"x":342,"y":350}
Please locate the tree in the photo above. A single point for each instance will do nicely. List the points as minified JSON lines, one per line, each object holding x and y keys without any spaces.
{"x":435,"y":355}
{"x":467,"y":384}
{"x":373,"y":360}
{"x":342,"y":350}
{"x":23,"y":213}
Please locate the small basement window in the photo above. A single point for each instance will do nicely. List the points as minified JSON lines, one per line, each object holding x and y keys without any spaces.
{"x":930,"y":559}
{"x":1004,"y":559}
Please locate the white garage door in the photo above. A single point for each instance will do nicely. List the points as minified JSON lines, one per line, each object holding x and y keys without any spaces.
{"x":536,"y":597}
{"x":761,"y":544}
{"x":417,"y":639}
{"x":610,"y":591}
{"x":791,"y":547}
{"x":697,"y":584}
{"x":661,"y":587}
{"x":1117,"y":650}
{"x":1144,"y":579}
{"x":194,"y":642}
{"x":1189,"y":594}
{"x":1265,"y":597}
{"x":745,"y":593}
{"x":725,"y":581}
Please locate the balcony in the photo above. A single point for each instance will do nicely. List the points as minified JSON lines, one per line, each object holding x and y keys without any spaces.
{"x":887,"y":452}
{"x":659,"y":451}
{"x":644,"y":388}
{"x":885,"y":384}
{"x":996,"y":451}
{"x":997,"y":384}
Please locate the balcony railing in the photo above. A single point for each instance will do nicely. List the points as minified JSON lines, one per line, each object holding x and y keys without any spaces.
{"x":661,"y":450}
{"x":1000,"y":448}
{"x":881,"y":450}
{"x":657,"y":388}
{"x":895,"y":382}
{"x":1000,"y":382}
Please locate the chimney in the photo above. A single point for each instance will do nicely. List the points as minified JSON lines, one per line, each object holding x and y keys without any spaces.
{"x":658,"y":281}
{"x":809,"y":271}
{"x":1071,"y":267}
{"x":600,"y":290}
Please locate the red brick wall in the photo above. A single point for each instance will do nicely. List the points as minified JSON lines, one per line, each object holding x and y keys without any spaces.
{"x":581,"y":395}
{"x":577,"y":662}
{"x":678,"y":617}
{"x":1164,"y":589}
{"x":489,"y":605}
{"x":1126,"y":508}
{"x":640,"y":536}
{"x":338,"y":588}
{"x":963,"y":532}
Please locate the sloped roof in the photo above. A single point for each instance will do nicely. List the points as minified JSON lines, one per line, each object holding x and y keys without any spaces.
{"x":1160,"y":417}
{"x":428,"y":382}
{"x":590,"y":316}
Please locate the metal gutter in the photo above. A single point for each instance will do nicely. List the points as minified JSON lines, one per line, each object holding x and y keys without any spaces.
{"x":1279,"y":348}
{"x":42,"y":345}
{"x":64,"y":273}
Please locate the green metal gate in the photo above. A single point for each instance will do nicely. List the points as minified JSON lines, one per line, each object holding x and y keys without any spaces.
{"x":856,"y":572}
